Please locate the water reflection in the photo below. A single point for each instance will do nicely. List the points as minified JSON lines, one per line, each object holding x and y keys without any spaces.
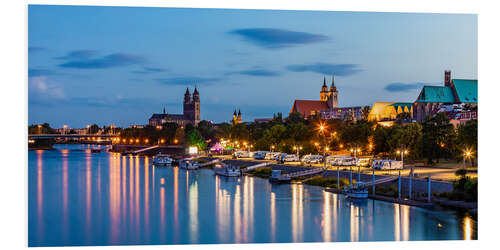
{"x":467,"y":228}
{"x":297,"y":212}
{"x":193,"y":211}
{"x":326,"y":222}
{"x":237,"y":215}
{"x":354,"y":222}
{"x":39,"y":193}
{"x":401,"y":222}
{"x":111,"y":199}
{"x":88,"y":186}
{"x":273,"y":216}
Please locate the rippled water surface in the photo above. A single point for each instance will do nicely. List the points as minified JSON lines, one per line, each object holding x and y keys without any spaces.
{"x":81,"y":198}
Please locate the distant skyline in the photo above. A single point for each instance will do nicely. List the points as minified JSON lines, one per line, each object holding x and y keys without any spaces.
{"x":118,"y":65}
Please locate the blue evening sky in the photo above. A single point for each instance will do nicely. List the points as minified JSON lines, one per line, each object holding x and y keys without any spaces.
{"x":118,"y":65}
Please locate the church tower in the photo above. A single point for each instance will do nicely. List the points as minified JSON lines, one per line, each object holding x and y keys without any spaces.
{"x":188,"y":106}
{"x":235,"y":118}
{"x":333,"y":101}
{"x":239,"y":116}
{"x":323,"y":95}
{"x":196,"y":106}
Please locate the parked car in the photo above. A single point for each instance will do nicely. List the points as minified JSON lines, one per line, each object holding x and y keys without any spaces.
{"x":305,"y":158}
{"x":260,"y":155}
{"x":344,"y":161}
{"x":315,"y":159}
{"x":331,"y":159}
{"x":243,"y":154}
{"x":291,"y":158}
{"x":387,"y":164}
{"x":363,"y":162}
{"x":271,"y":155}
{"x":279,"y":156}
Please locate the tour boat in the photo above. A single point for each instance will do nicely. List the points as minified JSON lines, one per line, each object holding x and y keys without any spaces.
{"x":162,"y":160}
{"x":227,"y":170}
{"x":188,"y":164}
{"x":357,"y":191}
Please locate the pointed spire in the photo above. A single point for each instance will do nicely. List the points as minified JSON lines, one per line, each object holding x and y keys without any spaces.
{"x":163,"y":110}
{"x":324,"y":81}
{"x":234,"y":112}
{"x":239,"y":112}
{"x":195,"y":90}
{"x":333,"y":88}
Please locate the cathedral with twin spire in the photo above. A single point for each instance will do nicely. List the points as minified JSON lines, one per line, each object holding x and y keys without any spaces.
{"x":191,"y":112}
{"x":327,"y":106}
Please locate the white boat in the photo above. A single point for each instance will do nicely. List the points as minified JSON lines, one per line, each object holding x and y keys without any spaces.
{"x":188,"y":164}
{"x":162,"y":160}
{"x":227,"y":170}
{"x":278,"y":177}
{"x":357,"y":191}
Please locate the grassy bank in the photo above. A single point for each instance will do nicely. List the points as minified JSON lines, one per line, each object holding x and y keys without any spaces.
{"x":264,"y":172}
{"x":330,"y":182}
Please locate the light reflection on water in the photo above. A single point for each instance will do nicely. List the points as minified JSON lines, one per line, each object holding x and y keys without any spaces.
{"x":83,"y":198}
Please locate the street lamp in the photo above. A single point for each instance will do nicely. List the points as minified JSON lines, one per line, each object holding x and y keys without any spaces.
{"x":322,"y":129}
{"x":297,"y":148}
{"x":467,"y":154}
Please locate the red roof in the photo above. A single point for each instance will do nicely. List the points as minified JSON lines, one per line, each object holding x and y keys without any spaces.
{"x":308,"y":107}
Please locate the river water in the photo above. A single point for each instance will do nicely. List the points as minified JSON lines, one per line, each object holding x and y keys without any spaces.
{"x":76,"y":197}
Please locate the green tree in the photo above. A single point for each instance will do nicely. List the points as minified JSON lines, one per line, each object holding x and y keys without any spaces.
{"x":297,"y":133}
{"x":357,"y":134}
{"x":194,"y":138}
{"x":223,"y":130}
{"x":93,"y":129}
{"x":365,"y":112}
{"x":438,"y":137}
{"x":381,"y":140}
{"x":295,"y":117}
{"x":41,"y":129}
{"x":239,"y":132}
{"x":275,"y":135}
{"x":206,"y":130}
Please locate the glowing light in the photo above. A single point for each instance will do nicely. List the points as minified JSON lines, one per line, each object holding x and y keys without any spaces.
{"x":467,"y":228}
{"x":193,"y":150}
{"x":162,"y":140}
{"x":176,"y":141}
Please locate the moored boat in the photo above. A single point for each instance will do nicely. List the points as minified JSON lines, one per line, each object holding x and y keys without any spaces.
{"x":227,"y":170}
{"x":277,"y":177}
{"x":188,"y":164}
{"x":162,"y":160}
{"x":356,"y":191}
